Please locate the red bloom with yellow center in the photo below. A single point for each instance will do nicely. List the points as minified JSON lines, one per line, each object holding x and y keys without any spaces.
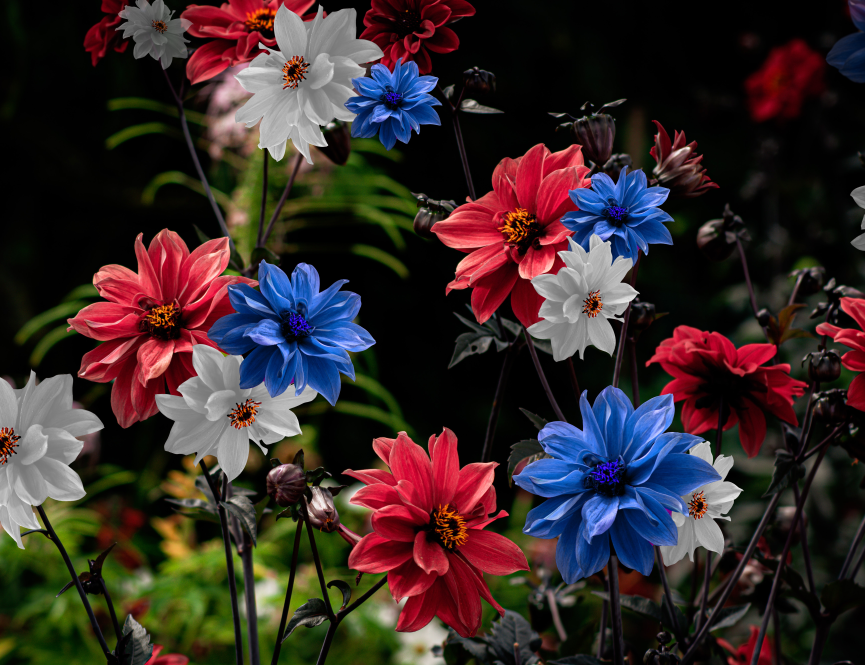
{"x":708,"y":370}
{"x":513,"y":233}
{"x":237,"y":28}
{"x":152,"y":320}
{"x":853,"y":360}
{"x":790,"y":75}
{"x":428,"y":532}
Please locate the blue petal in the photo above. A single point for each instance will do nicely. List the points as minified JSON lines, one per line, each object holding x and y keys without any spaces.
{"x":267,"y":333}
{"x":363,"y":127}
{"x":236,"y":343}
{"x":368,"y":87}
{"x":646,"y":423}
{"x":592,"y":434}
{"x":844,"y":48}
{"x":253,"y":367}
{"x":381,"y":75}
{"x":599,"y":513}
{"x":343,"y":307}
{"x":564,"y":441}
{"x":310,"y":346}
{"x":682,"y":473}
{"x":659,"y":529}
{"x":279,"y":374}
{"x":550,"y":518}
{"x":604,"y":186}
{"x":621,"y":185}
{"x":551,"y":478}
{"x":275,"y":287}
{"x":346,"y":335}
{"x":228,"y":323}
{"x":305,"y":283}
{"x":854,"y":68}
{"x":611,"y":409}
{"x":662,"y":496}
{"x":323,"y":377}
{"x":247,"y":300}
{"x":566,"y":551}
{"x":321,"y":300}
{"x":387,"y":136}
{"x":426,"y":115}
{"x":592,"y":557}
{"x":654,"y":233}
{"x":633,"y":551}
{"x":381,"y":113}
{"x":642,"y":467}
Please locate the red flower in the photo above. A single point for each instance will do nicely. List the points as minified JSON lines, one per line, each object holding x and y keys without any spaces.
{"x":791,"y":74}
{"x":513,"y":233}
{"x":428,"y":532}
{"x":745,"y":652}
{"x":103,"y":35}
{"x":679,"y":167}
{"x":853,"y":360}
{"x":153,"y":319}
{"x":407,"y":28}
{"x":706,"y":367}
{"x":167,"y":659}
{"x":237,"y":28}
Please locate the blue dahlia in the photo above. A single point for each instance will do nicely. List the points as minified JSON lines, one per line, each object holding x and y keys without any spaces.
{"x":393,"y":104}
{"x":626,"y":213}
{"x":848,"y":54}
{"x":614,"y":480}
{"x":293,"y":332}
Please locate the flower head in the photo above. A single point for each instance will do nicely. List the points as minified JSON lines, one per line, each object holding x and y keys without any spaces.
{"x":215,"y":416}
{"x":154,"y":31}
{"x":581,"y":298}
{"x":38,"y":426}
{"x":679,"y":166}
{"x":848,"y":54}
{"x":705,"y":505}
{"x":152,"y":320}
{"x":167,"y":659}
{"x":393,"y":104}
{"x":858,"y":195}
{"x":408,"y":29}
{"x":512,"y":234}
{"x":616,"y":479}
{"x":235,"y":29}
{"x":707,"y":369}
{"x":428,"y":532}
{"x":625,"y":212}
{"x":745,"y":652}
{"x":103,"y":35}
{"x":855,"y":358}
{"x":305,"y":82}
{"x":790,"y":75}
{"x":296,"y":333}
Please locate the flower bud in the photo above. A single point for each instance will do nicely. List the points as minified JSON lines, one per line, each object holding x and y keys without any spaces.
{"x":811,"y":280}
{"x":338,"y":138}
{"x":830,"y":406}
{"x":285,"y":484}
{"x":595,"y":132}
{"x":823,"y":366}
{"x":678,"y":165}
{"x":764,"y":317}
{"x":429,"y":212}
{"x":642,"y":316}
{"x":717,"y":237}
{"x":478,"y":81}
{"x":322,"y":512}
{"x":614,"y":165}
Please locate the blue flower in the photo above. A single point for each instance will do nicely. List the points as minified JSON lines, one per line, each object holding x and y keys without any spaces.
{"x":625,"y":213}
{"x":613,"y":480}
{"x":848,"y":54}
{"x":393,"y":104}
{"x":295,"y":333}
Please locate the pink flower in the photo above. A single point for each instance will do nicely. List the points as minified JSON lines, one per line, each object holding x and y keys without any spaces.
{"x":152,"y":320}
{"x":167,"y":659}
{"x":854,"y":359}
{"x":429,"y":533}
{"x":104,"y":35}
{"x":514,"y":232}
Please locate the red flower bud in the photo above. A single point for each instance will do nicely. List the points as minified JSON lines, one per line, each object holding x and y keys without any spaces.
{"x":322,"y":512}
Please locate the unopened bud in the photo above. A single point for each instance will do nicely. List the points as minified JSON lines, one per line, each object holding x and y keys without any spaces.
{"x":823,"y":366}
{"x":322,"y":512}
{"x":642,"y":316}
{"x":811,"y":280}
{"x":478,"y":81}
{"x":830,"y":406}
{"x":764,"y":317}
{"x":285,"y":484}
{"x":614,"y":165}
{"x":717,"y":237}
{"x":429,"y":212}
{"x":338,"y":137}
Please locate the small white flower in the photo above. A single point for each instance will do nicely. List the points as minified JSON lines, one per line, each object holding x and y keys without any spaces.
{"x":154,"y":31}
{"x":215,"y":416}
{"x":582,"y":298}
{"x":705,"y":505}
{"x":305,"y":83}
{"x":858,"y":195}
{"x":38,"y":426}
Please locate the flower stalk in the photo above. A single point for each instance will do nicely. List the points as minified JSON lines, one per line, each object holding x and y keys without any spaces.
{"x":288,"y":591}
{"x":282,"y":200}
{"x":533,"y":352}
{"x":507,"y":364}
{"x":266,"y":154}
{"x":616,"y":612}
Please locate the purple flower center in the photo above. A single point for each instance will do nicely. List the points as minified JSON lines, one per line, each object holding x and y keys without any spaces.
{"x":294,"y":326}
{"x":392,"y":99}
{"x":616,"y":214}
{"x":607,"y":478}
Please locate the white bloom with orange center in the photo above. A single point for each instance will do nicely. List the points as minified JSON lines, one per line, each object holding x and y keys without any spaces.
{"x":154,"y":31}
{"x":581,"y":299}
{"x":705,"y":505}
{"x":214,"y":416}
{"x":307,"y":81}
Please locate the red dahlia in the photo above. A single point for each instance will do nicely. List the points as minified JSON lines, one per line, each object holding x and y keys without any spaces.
{"x":104,"y":35}
{"x":407,"y":28}
{"x":707,"y":369}
{"x":428,"y":532}
{"x":853,"y":360}
{"x":236,"y":28}
{"x":791,"y":74}
{"x":679,"y":168}
{"x":745,"y":652}
{"x":513,"y":233}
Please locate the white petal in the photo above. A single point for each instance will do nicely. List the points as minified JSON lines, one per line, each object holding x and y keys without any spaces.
{"x":8,"y":406}
{"x":10,"y":527}
{"x":723,"y":465}
{"x":709,"y":534}
{"x":327,"y":33}
{"x":32,"y":446}
{"x":548,"y":287}
{"x":859,"y":241}
{"x":207,"y":362}
{"x":256,"y":106}
{"x":259,"y":79}
{"x":281,"y":421}
{"x":858,"y":195}
{"x":77,"y":422}
{"x":289,"y":401}
{"x":27,"y":482}
{"x":721,"y":492}
{"x":572,"y":308}
{"x":703,"y":450}
{"x":220,"y":403}
{"x":233,"y":451}
{"x":51,"y":394}
{"x":290,"y":32}
{"x":618,"y":294}
{"x":278,"y":151}
{"x":684,"y":545}
{"x":601,"y":334}
{"x":63,"y":483}
{"x":176,"y":408}
{"x":678,"y":518}
{"x":62,"y":446}
{"x":231,"y":372}
{"x":191,"y":437}
{"x":320,"y":73}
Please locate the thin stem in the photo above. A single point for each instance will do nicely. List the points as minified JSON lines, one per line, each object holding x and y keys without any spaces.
{"x":557,"y":619}
{"x":53,"y":535}
{"x":117,"y":632}
{"x":249,"y":597}
{"x":289,"y":589}
{"x":263,"y":199}
{"x":704,"y":597}
{"x":776,"y":622}
{"x":820,"y":638}
{"x":694,"y":582}
{"x":328,"y":639}
{"x":722,"y":418}
{"x":795,"y":291}
{"x":365,"y":597}
{"x":747,"y":276}
{"x":668,"y":595}
{"x":229,"y":564}
{"x":189,"y":144}
{"x":616,"y":612}
{"x":282,"y":199}
{"x":572,"y":374}
{"x":507,"y":364}
{"x":605,"y":609}
{"x":808,"y":420}
{"x":858,"y":564}
{"x":620,"y":351}
{"x":335,"y":621}
{"x":635,"y":377}
{"x":317,"y":559}
{"x":806,"y":552}
{"x":819,"y":446}
{"x":533,"y":352}
{"x":848,"y":560}
{"x":463,"y":158}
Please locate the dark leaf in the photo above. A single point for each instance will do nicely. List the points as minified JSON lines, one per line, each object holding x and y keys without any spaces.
{"x":274,"y":462}
{"x":786,"y":469}
{"x":196,"y":509}
{"x":611,"y":105}
{"x":638,"y":604}
{"x":470,"y":344}
{"x":315,"y":476}
{"x":448,"y":92}
{"x":261,"y":509}
{"x":537,"y":421}
{"x":471,"y":106}
{"x":842,"y":595}
{"x":458,"y":650}
{"x":137,"y":648}
{"x":202,"y":486}
{"x":96,"y":566}
{"x":544,"y":345}
{"x":513,"y":327}
{"x":730,"y":616}
{"x":519,"y":452}
{"x":298,"y":458}
{"x":71,"y":583}
{"x":312,"y":613}
{"x":336,"y":489}
{"x":244,"y":510}
{"x":580,"y":659}
{"x":508,"y":631}
{"x":260,"y":254}
{"x":345,"y":588}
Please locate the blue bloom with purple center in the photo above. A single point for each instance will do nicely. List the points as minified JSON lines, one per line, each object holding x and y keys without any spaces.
{"x":848,"y":54}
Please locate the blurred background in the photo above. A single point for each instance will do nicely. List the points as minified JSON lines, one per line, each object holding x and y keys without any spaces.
{"x":95,"y":157}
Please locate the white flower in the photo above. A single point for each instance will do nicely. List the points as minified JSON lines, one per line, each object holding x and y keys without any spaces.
{"x":305,"y":83}
{"x":38,"y":426}
{"x":581,"y":298}
{"x":215,"y":416}
{"x":705,"y":505}
{"x":416,"y":648}
{"x":858,"y":195}
{"x":154,"y":31}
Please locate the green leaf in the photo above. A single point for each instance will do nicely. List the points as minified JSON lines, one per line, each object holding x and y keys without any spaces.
{"x":261,"y":508}
{"x":141,"y":130}
{"x":66,"y":309}
{"x":842,"y":595}
{"x":520,"y":451}
{"x":121,"y":103}
{"x":148,"y":196}
{"x":344,"y":587}
{"x":373,"y":387}
{"x":196,"y":509}
{"x":244,"y":510}
{"x":50,"y":339}
{"x":730,"y":616}
{"x":471,"y":106}
{"x":786,"y":469}
{"x":678,"y":623}
{"x":537,"y":421}
{"x":312,"y":613}
{"x":376,"y":254}
{"x":138,"y":648}
{"x":579,"y":659}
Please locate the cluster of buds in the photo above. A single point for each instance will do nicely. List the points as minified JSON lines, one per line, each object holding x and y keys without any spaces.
{"x":717,"y":237}
{"x":679,"y":167}
{"x":824,"y":366}
{"x":287,"y":485}
{"x":808,"y":281}
{"x":664,"y":654}
{"x":429,"y":212}
{"x":830,"y":406}
{"x":832,"y":308}
{"x":594,"y":131}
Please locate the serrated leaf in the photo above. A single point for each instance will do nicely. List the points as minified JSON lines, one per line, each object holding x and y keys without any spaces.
{"x":579,"y":659}
{"x":244,"y":510}
{"x":137,"y":648}
{"x":537,"y":421}
{"x":520,"y":451}
{"x":506,"y":633}
{"x":730,"y":616}
{"x":470,"y":344}
{"x":345,"y":588}
{"x":842,"y":595}
{"x":472,"y":106}
{"x":458,"y":650}
{"x":786,"y":469}
{"x":448,"y":92}
{"x":312,"y":613}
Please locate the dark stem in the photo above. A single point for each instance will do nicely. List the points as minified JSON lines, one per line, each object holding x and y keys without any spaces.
{"x":722,"y":418}
{"x":533,"y":352}
{"x":807,"y":420}
{"x":635,"y":378}
{"x":117,"y":632}
{"x":616,"y":612}
{"x":806,"y":552}
{"x":572,"y":374}
{"x":249,"y":597}
{"x":704,"y":597}
{"x":53,"y":536}
{"x":819,"y":446}
{"x":282,"y":200}
{"x":858,"y":564}
{"x":328,"y":639}
{"x":463,"y":158}
{"x":776,"y":622}
{"x":365,"y":597}
{"x":820,"y":638}
{"x":507,"y":364}
{"x":747,"y":277}
{"x":189,"y":144}
{"x":263,"y":199}
{"x":605,"y":609}
{"x":518,"y":660}
{"x":335,"y":621}
{"x":557,"y":619}
{"x":694,"y":583}
{"x":848,"y":560}
{"x":795,"y":292}
{"x":229,"y":564}
{"x":285,"y":606}
{"x":317,"y":559}
{"x":620,"y":351}
{"x":668,"y":596}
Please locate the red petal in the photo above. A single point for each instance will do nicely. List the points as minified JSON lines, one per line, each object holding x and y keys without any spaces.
{"x":444,"y":40}
{"x":374,"y":554}
{"x":460,"y":584}
{"x":396,"y":523}
{"x":754,"y":355}
{"x":828,"y":329}
{"x":529,"y":174}
{"x":856,"y":393}
{"x":475,"y":480}
{"x":411,"y":499}
{"x":429,"y":556}
{"x":107,"y":320}
{"x":371,"y":476}
{"x":382,"y":448}
{"x":854,"y":360}
{"x":408,"y":461}
{"x":211,"y":59}
{"x":167,"y":251}
{"x":200,"y":268}
{"x":490,"y":291}
{"x":553,"y":200}
{"x":526,"y":302}
{"x":752,"y":427}
{"x":375,"y":496}
{"x":147,"y":276}
{"x":121,"y":395}
{"x":409,"y":580}
{"x":538,"y":261}
{"x":419,"y":610}
{"x":117,"y":284}
{"x":144,"y":395}
{"x":855,"y":307}
{"x":570,"y":156}
{"x":103,"y":363}
{"x":445,"y":467}
{"x":493,"y":553}
{"x":154,"y":357}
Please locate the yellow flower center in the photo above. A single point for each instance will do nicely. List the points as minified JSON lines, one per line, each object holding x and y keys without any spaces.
{"x":450,"y":527}
{"x":294,"y":71}
{"x":243,"y":415}
{"x":261,"y":20}
{"x":160,"y":27}
{"x":520,"y":229}
{"x":593,"y":305}
{"x":8,"y":444}
{"x":162,"y":322}
{"x":698,"y":506}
